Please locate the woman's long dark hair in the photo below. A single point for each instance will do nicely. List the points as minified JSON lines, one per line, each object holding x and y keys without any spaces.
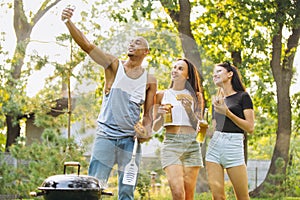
{"x":236,"y":80}
{"x":193,"y":84}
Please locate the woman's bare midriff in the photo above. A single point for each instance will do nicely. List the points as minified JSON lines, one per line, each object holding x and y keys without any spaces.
{"x":179,"y":129}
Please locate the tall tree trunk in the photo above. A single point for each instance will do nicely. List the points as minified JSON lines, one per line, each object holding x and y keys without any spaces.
{"x":13,"y":131}
{"x":283,"y":73}
{"x":189,"y":45}
{"x":23,"y":29}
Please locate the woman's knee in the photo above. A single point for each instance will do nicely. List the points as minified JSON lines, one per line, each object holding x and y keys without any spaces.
{"x":178,"y":194}
{"x":219,"y":197}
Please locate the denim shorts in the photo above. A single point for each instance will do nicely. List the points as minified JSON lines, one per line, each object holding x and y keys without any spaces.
{"x":226,"y":149}
{"x":181,"y":149}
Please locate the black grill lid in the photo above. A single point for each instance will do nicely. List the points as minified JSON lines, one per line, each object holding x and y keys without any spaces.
{"x":70,"y":181}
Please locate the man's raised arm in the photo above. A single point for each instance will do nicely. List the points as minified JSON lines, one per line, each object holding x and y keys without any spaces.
{"x":99,"y":56}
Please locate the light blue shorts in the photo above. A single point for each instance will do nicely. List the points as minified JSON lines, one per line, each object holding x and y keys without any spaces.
{"x":181,"y":149}
{"x":226,"y":149}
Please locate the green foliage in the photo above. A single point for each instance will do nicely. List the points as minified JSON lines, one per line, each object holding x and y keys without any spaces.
{"x":14,"y":98}
{"x":2,"y":142}
{"x":261,"y":147}
{"x":143,"y":185}
{"x":272,"y":188}
{"x":293,"y":169}
{"x":160,"y":135}
{"x":282,"y":184}
{"x":36,"y":162}
{"x":296,"y":113}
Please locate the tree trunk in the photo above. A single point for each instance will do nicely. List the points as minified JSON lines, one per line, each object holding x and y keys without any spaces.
{"x":283,"y":75}
{"x":23,"y":29}
{"x":13,"y":131}
{"x":189,"y":45}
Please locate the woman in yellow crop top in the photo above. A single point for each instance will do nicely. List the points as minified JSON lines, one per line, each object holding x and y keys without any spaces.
{"x":180,"y":154}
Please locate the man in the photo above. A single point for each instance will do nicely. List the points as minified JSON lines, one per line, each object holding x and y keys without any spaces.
{"x":127,"y":87}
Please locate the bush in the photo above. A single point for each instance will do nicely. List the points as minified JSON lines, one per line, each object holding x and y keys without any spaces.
{"x":36,"y":162}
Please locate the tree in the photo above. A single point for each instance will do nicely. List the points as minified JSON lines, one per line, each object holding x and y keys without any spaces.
{"x":23,"y":26}
{"x":253,"y":33}
{"x":285,"y":15}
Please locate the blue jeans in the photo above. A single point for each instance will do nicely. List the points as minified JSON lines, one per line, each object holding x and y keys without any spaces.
{"x":108,"y":152}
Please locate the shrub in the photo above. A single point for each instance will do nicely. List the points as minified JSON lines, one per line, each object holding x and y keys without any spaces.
{"x":36,"y":162}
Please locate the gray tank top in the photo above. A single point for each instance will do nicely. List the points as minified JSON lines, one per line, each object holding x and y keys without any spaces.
{"x":121,"y":108}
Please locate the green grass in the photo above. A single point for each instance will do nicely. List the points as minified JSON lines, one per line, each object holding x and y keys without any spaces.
{"x":202,"y":196}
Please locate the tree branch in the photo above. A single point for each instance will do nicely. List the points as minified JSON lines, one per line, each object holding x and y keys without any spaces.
{"x":43,"y":9}
{"x":170,"y":10}
{"x":21,"y":25}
